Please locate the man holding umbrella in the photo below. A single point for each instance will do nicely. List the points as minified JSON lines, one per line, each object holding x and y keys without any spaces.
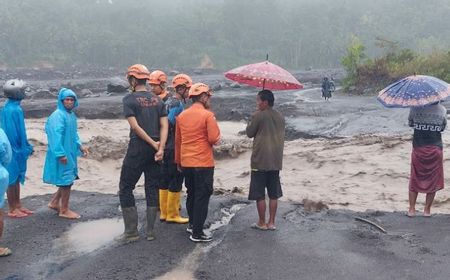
{"x":267,"y":127}
{"x":427,"y":171}
{"x":422,"y":94}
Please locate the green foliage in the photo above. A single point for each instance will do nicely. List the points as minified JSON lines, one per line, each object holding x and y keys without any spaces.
{"x":380,"y":72}
{"x":353,"y":59}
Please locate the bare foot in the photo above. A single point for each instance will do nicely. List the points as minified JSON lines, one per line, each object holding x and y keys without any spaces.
{"x":26,"y":210}
{"x":53,"y":206}
{"x":16,"y":213}
{"x":69,"y":214}
{"x":427,"y":214}
{"x":411,"y":213}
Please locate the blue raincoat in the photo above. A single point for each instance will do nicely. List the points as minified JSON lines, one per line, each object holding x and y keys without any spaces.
{"x":13,"y":124}
{"x":5,"y":158}
{"x":63,"y":141}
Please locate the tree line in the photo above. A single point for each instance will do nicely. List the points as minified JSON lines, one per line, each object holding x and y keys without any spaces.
{"x":297,"y":34}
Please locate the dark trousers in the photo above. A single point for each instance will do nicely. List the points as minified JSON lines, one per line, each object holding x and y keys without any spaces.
{"x":171,"y":179}
{"x":140,"y":158}
{"x":199,"y":185}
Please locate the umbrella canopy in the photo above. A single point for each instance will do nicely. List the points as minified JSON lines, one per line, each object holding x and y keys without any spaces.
{"x":265,"y":75}
{"x":414,"y":91}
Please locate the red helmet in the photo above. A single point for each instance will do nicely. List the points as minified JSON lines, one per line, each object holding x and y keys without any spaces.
{"x":157,"y":77}
{"x":181,"y":80}
{"x":139,"y":71}
{"x":198,"y":89}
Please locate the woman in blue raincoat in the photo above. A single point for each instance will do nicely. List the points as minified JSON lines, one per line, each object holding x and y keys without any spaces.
{"x":13,"y":124}
{"x":5,"y":158}
{"x":64,"y":146}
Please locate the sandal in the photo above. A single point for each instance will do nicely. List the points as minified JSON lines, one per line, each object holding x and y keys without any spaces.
{"x":256,"y":226}
{"x":272,"y":228}
{"x":4,"y":252}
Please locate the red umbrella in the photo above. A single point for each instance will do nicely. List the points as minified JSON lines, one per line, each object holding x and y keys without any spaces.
{"x":264,"y":74}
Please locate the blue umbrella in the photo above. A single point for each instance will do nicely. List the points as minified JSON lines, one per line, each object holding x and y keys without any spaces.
{"x":414,"y":91}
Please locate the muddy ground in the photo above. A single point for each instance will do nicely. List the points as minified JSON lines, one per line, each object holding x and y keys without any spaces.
{"x":307,"y":245}
{"x":329,"y":244}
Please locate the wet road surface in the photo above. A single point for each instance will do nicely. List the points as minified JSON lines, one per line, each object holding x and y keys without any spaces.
{"x":320,"y":245}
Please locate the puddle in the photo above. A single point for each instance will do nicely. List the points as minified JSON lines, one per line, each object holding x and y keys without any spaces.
{"x":79,"y":239}
{"x":87,"y":237}
{"x":187,"y":268}
{"x":228,"y":214}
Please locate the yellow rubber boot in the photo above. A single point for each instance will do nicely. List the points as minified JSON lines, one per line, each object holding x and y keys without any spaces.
{"x":173,"y":210}
{"x":163,"y":204}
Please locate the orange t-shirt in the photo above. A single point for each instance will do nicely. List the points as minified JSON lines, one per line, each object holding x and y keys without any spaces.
{"x":196,"y":132}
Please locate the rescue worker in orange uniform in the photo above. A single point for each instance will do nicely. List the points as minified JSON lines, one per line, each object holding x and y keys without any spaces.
{"x":157,"y":82}
{"x":196,"y":133}
{"x":171,"y":178}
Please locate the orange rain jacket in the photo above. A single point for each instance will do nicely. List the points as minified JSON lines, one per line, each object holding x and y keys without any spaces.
{"x":196,"y":132}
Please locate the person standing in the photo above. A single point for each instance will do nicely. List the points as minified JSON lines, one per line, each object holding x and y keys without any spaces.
{"x":64,"y":146}
{"x":196,"y":133}
{"x":326,"y":88}
{"x":267,"y":128}
{"x":157,"y":82}
{"x":427,"y":172}
{"x":147,"y":117}
{"x":5,"y":159}
{"x":172,"y":178}
{"x":13,"y":124}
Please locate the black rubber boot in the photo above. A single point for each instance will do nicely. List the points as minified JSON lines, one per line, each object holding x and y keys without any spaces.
{"x":150,"y":222}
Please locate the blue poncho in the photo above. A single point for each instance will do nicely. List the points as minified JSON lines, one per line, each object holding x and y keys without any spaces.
{"x":5,"y":158}
{"x":63,"y":141}
{"x":13,"y":124}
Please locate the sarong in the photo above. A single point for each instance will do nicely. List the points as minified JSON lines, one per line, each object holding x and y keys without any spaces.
{"x":427,"y":171}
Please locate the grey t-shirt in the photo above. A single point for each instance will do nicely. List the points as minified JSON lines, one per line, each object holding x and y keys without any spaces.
{"x":267,"y":128}
{"x":147,"y":108}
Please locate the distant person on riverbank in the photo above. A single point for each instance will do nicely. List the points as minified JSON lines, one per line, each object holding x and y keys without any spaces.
{"x":64,"y":146}
{"x":267,"y":128}
{"x":147,"y":117}
{"x":427,"y":172}
{"x":196,"y":133}
{"x":13,"y":124}
{"x":5,"y":159}
{"x":172,"y":179}
{"x":326,"y":88}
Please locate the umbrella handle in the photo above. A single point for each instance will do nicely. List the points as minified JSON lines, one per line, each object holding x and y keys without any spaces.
{"x":264,"y":83}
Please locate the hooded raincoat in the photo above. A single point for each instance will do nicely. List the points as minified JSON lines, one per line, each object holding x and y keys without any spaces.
{"x":13,"y":124}
{"x":63,"y":141}
{"x":5,"y":158}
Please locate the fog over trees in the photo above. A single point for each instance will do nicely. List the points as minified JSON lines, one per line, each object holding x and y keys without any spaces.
{"x":179,"y":33}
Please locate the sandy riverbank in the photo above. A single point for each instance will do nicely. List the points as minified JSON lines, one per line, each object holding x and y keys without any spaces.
{"x":357,"y":173}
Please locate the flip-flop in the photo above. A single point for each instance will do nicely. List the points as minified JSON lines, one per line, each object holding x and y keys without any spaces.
{"x":410,"y":215}
{"x":74,"y":218}
{"x":258,"y":227}
{"x":6,"y":252}
{"x":272,"y":228}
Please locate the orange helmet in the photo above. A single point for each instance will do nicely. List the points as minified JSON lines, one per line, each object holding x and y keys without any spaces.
{"x":157,"y":77}
{"x":199,"y":88}
{"x":139,"y":71}
{"x":182,"y":80}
